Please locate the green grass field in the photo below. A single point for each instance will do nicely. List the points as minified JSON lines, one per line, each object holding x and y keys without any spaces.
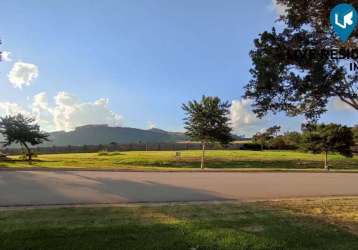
{"x":315,"y":224}
{"x":216,"y":159}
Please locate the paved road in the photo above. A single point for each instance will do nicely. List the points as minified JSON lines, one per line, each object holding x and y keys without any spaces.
{"x":89,"y":187}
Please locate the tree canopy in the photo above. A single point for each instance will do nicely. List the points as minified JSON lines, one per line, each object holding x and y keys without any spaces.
{"x":324,"y":138}
{"x":293,"y":70}
{"x":355,"y":134}
{"x":264,"y":137}
{"x":22,"y":130}
{"x":208,"y":121}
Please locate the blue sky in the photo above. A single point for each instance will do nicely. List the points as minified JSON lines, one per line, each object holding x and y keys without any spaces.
{"x":144,"y":58}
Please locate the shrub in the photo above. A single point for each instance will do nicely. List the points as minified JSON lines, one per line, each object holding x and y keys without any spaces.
{"x":4,"y":157}
{"x":251,"y":146}
{"x":103,"y":153}
{"x":106,"y":153}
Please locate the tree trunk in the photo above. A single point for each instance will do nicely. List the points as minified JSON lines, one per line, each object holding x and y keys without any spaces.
{"x":29,"y":155}
{"x":326,"y":160}
{"x":203,"y":155}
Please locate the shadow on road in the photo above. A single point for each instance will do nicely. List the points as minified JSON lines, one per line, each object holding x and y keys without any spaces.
{"x":50,"y":188}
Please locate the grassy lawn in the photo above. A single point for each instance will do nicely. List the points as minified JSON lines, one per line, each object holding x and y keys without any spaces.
{"x":315,"y":224}
{"x":229,"y":159}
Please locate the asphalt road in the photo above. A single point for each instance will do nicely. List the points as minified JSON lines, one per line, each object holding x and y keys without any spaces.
{"x":22,"y":188}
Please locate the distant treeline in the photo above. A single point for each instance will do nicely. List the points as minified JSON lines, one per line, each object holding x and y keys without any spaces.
{"x":124,"y":147}
{"x":153,"y":147}
{"x":270,"y":139}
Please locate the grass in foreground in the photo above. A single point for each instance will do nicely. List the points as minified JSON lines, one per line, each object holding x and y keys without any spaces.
{"x":263,"y":225}
{"x":230,"y":159}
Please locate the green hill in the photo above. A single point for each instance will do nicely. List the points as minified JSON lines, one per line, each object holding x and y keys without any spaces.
{"x":103,"y":134}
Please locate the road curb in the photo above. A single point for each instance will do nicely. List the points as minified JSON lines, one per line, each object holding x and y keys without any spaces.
{"x":181,"y":171}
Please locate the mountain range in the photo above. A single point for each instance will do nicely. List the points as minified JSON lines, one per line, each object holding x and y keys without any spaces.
{"x":104,"y":134}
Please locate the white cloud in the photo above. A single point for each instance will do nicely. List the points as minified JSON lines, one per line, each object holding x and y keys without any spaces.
{"x":42,"y":112}
{"x":5,"y":56}
{"x":23,"y":74}
{"x":40,"y":101}
{"x":102,"y":101}
{"x":67,"y":112}
{"x":151,"y":125}
{"x":65,"y":99}
{"x":280,"y":9}
{"x":10,"y":108}
{"x":339,"y":105}
{"x":242,"y":119}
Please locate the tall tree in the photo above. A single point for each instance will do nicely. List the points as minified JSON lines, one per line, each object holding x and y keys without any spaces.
{"x":292,"y":139}
{"x":22,"y":130}
{"x":264,"y":137}
{"x":272,"y":131}
{"x":292,"y":70}
{"x":325,"y":138}
{"x":260,"y":138}
{"x":207,"y":121}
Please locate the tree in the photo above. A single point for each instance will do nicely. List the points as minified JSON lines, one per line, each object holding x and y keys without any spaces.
{"x":272,"y":131}
{"x":277,"y":142}
{"x":355,"y":134}
{"x":264,"y":137}
{"x":325,"y":138}
{"x":22,"y":130}
{"x":292,"y":140}
{"x":207,"y":121}
{"x":260,"y":138}
{"x":293,"y":70}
